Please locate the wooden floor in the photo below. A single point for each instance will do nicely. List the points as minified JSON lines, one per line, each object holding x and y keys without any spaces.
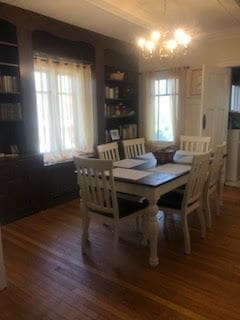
{"x":48,"y":278}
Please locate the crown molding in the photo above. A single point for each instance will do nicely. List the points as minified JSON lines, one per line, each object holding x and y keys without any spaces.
{"x":108,"y":6}
{"x":230,"y":33}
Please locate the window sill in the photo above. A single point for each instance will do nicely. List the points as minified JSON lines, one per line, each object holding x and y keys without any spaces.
{"x":66,"y":161}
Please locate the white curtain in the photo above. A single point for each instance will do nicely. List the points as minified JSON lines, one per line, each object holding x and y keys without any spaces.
{"x":160,"y":110}
{"x":64,"y":107}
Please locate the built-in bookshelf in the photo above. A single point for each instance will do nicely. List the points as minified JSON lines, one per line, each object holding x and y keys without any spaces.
{"x":11,"y":127}
{"x":121,"y":102}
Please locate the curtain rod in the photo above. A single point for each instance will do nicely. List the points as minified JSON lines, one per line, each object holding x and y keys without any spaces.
{"x":170,"y":69}
{"x":44,"y":55}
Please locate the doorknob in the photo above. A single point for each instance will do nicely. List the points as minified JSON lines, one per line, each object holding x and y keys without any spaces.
{"x":204,"y":122}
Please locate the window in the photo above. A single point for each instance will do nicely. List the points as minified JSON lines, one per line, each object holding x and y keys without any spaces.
{"x":165,"y":108}
{"x":64,"y":108}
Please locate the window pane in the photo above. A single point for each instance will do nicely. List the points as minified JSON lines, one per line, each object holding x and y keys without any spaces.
{"x":66,"y":111}
{"x":157,"y":87}
{"x":163,"y":121}
{"x":42,"y":111}
{"x":163,"y":86}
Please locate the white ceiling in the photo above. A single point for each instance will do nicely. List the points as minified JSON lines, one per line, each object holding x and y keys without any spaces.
{"x":128,"y":19}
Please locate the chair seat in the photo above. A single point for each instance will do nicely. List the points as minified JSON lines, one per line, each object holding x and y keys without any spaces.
{"x":126,"y":207}
{"x":172,"y":200}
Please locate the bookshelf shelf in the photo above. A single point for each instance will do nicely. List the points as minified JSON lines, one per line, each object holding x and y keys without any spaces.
{"x":11,"y":134}
{"x":9,"y":64}
{"x":119,"y":99}
{"x":11,"y":44}
{"x":119,"y":82}
{"x":120,"y":117}
{"x":11,"y":121}
{"x":10,"y":92}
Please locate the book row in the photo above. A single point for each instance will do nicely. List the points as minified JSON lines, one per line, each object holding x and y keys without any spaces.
{"x":128,"y":131}
{"x":118,"y":110}
{"x":8,"y":83}
{"x":10,"y":111}
{"x":112,"y":93}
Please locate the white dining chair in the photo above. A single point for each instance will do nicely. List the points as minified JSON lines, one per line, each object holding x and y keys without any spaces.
{"x":190,"y":200}
{"x":213,"y":185}
{"x":108,"y":151}
{"x":100,"y":201}
{"x":195,"y":143}
{"x":190,"y":146}
{"x":133,"y":147}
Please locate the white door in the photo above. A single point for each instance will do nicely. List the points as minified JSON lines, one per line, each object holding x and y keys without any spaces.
{"x":215,"y":103}
{"x":2,"y":268}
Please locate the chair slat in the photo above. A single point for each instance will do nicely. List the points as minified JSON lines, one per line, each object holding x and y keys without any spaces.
{"x":108,"y":151}
{"x":195,"y":143}
{"x":133,"y":147}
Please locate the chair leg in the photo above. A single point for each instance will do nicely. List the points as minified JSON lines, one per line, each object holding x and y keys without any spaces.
{"x":85,"y":224}
{"x":145,"y":230}
{"x":165,"y":225}
{"x":186,"y":234}
{"x":115,"y":245}
{"x":208,"y":211}
{"x":202,"y":222}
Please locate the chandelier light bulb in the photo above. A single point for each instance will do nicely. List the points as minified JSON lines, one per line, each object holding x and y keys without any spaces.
{"x":171,"y":45}
{"x":182,"y":37}
{"x":179,"y":34}
{"x":150,"y":46}
{"x":186,"y":40}
{"x":155,"y":36}
{"x":141,"y":42}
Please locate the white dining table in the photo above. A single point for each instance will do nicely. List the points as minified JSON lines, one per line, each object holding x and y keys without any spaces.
{"x":3,"y":282}
{"x":152,"y":187}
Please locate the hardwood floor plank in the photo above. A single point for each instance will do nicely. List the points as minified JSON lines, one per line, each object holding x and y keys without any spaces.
{"x":48,"y":278}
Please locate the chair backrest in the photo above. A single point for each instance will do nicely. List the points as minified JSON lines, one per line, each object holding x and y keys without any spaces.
{"x":133,"y":147}
{"x":195,"y":143}
{"x":108,"y":151}
{"x":217,"y":165}
{"x":95,"y":178}
{"x":197,"y":180}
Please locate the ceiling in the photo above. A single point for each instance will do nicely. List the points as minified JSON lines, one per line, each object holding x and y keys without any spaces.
{"x":128,"y":19}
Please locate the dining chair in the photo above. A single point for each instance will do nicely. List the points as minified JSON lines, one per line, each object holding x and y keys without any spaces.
{"x":100,"y":201}
{"x":213,"y":184}
{"x":108,"y":151}
{"x":190,"y":200}
{"x":190,"y":146}
{"x":195,"y":143}
{"x":133,"y":147}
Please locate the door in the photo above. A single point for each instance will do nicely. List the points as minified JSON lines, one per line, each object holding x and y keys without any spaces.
{"x":215,"y":103}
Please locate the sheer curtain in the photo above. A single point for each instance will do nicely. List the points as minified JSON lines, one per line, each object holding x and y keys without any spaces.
{"x":64,"y":108}
{"x":162,"y":95}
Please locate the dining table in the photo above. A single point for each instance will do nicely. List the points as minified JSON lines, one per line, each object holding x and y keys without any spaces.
{"x":143,"y":177}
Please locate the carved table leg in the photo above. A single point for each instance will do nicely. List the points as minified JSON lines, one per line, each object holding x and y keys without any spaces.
{"x":153,"y":234}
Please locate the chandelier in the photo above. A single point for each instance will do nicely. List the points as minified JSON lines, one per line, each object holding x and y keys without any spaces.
{"x":164,"y":44}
